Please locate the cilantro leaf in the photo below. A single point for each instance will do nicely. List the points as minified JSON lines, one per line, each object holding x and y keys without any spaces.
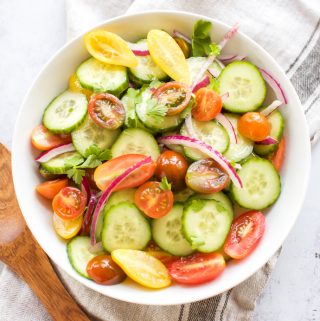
{"x":94,"y":149}
{"x":214,"y":49}
{"x":105,"y":155}
{"x":91,"y":162}
{"x":155,"y":110}
{"x":201,"y":39}
{"x":75,"y":160}
{"x":76,"y":174}
{"x":165,"y":185}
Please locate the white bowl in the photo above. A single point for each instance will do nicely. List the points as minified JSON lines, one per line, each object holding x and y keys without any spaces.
{"x":53,"y":79}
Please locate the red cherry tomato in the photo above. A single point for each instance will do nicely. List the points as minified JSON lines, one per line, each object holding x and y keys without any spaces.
{"x":43,"y":139}
{"x":69,"y":203}
{"x":245,"y":234}
{"x":174,"y":166}
{"x":153,"y":200}
{"x":174,"y":95}
{"x":197,"y":268}
{"x":103,"y":270}
{"x":108,"y":171}
{"x":278,"y":157}
{"x":207,"y":106}
{"x":50,"y":189}
{"x":254,"y":126}
{"x":107,"y":111}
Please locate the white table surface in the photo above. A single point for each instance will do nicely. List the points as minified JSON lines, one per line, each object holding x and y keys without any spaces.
{"x":31,"y":31}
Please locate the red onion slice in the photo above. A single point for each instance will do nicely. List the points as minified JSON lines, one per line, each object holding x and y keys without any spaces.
{"x":179,"y":34}
{"x":106,"y":194}
{"x":88,"y":215}
{"x":230,"y":58}
{"x":85,"y":188}
{"x":226,"y":123}
{"x":268,"y":141}
{"x":190,"y":128}
{"x":272,"y":107}
{"x":139,"y":49}
{"x":203,"y":83}
{"x":229,"y":35}
{"x":206,"y":149}
{"x":46,"y":156}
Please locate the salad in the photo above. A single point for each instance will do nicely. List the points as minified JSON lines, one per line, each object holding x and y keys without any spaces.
{"x":149,"y":151}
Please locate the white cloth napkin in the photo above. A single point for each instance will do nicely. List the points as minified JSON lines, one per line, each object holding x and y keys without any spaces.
{"x":289,"y":30}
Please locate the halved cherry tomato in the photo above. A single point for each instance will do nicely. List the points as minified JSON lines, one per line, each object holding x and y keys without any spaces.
{"x":174,"y":166}
{"x":206,"y":176}
{"x":103,"y":270}
{"x":107,"y":111}
{"x":69,"y":203}
{"x":174,"y":95}
{"x":50,"y":189}
{"x":75,"y":86}
{"x":108,"y":171}
{"x":152,"y":200}
{"x":43,"y":139}
{"x":207,"y":106}
{"x":245,"y":234}
{"x":183,"y":46}
{"x":109,"y":48}
{"x":154,"y":250}
{"x":278,"y":157}
{"x":67,"y":228}
{"x":254,"y":126}
{"x":197,"y":268}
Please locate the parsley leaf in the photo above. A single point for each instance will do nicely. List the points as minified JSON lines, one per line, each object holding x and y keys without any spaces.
{"x":155,"y":110}
{"x":76,"y":174}
{"x":75,"y":160}
{"x":100,"y":154}
{"x":201,"y":39}
{"x":165,"y":185}
{"x":214,"y":49}
{"x":91,"y":162}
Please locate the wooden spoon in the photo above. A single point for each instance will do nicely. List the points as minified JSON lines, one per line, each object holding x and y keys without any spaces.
{"x":22,"y":253}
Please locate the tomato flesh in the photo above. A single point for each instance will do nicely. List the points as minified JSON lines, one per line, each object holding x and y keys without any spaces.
{"x":103,"y":270}
{"x":197,"y":268}
{"x":108,"y":171}
{"x":254,"y":126}
{"x":106,"y":111}
{"x":50,"y":189}
{"x":278,"y":157}
{"x":245,"y":234}
{"x":67,"y":228}
{"x":207,"y":106}
{"x":174,"y":166}
{"x":153,"y":200}
{"x":69,"y":203}
{"x":206,"y":176}
{"x":43,"y":139}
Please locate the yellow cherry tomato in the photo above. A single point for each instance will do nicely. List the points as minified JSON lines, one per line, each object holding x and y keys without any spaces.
{"x":109,"y":48}
{"x":75,"y":86}
{"x":168,"y":55}
{"x":67,"y":228}
{"x":142,"y":268}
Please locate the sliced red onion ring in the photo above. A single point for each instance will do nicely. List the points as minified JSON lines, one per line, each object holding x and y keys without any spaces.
{"x":214,"y":72}
{"x":139,"y":49}
{"x":46,"y":156}
{"x":224,"y":96}
{"x":88,"y":215}
{"x":272,"y":107}
{"x":190,"y":128}
{"x":275,"y":85}
{"x":97,"y":248}
{"x":226,"y":123}
{"x":268,"y":141}
{"x":106,"y":194}
{"x":206,"y":149}
{"x":179,"y":34}
{"x":221,"y":65}
{"x":203,"y":83}
{"x":230,"y":58}
{"x":229,"y":35}
{"x":85,"y":188}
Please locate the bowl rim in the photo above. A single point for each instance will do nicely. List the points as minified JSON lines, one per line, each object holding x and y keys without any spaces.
{"x":303,"y":130}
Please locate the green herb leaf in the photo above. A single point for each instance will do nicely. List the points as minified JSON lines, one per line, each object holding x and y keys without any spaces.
{"x":91,"y":162}
{"x":75,"y":160}
{"x":214,"y":84}
{"x":94,"y":149}
{"x":165,"y":185}
{"x":76,"y":174}
{"x":201,"y":39}
{"x":214,"y":49}
{"x":105,"y":155}
{"x":155,"y":110}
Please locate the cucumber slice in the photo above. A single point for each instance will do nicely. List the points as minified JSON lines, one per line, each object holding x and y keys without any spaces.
{"x":261,"y":184}
{"x":61,"y":163}
{"x":210,"y":132}
{"x":277,"y":124}
{"x":101,"y":77}
{"x":125,"y":227}
{"x":146,"y":70}
{"x":245,"y":85}
{"x":89,"y":134}
{"x":66,"y":112}
{"x":167,"y":123}
{"x":126,"y":195}
{"x":136,"y":141}
{"x":167,"y":233}
{"x":206,"y":224}
{"x":79,"y":254}
{"x":196,"y":63}
{"x":244,"y":146}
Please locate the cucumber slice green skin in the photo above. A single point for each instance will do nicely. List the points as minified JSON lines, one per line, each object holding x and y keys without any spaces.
{"x":66,"y":112}
{"x":101,"y":77}
{"x":166,"y":232}
{"x":59,"y":164}
{"x":125,"y":227}
{"x":91,"y":134}
{"x":136,"y":141}
{"x":79,"y":254}
{"x":245,"y":85}
{"x":126,"y":195}
{"x":261,"y":184}
{"x":277,"y":125}
{"x":206,"y":224}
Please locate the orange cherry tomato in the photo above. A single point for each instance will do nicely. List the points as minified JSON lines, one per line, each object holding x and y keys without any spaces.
{"x":278,"y":157}
{"x":69,"y":203}
{"x":174,"y":166}
{"x":254,"y":126}
{"x":152,"y":200}
{"x":108,"y":171}
{"x":50,"y":189}
{"x":207,"y":106}
{"x":43,"y":139}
